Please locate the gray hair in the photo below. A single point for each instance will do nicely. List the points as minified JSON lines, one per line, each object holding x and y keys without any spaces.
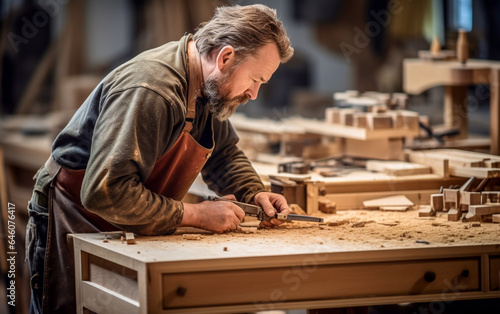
{"x":245,"y":28}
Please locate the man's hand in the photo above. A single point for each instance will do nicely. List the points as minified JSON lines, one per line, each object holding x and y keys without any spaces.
{"x":213,"y":216}
{"x":271,"y":202}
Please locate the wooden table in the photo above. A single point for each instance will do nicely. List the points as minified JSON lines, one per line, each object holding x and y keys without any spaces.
{"x":255,"y":272}
{"x":420,"y":75}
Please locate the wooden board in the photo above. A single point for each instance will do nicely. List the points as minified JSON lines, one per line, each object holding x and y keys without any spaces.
{"x":398,"y":168}
{"x":390,"y":201}
{"x":323,"y":128}
{"x":385,"y":149}
{"x":344,"y":201}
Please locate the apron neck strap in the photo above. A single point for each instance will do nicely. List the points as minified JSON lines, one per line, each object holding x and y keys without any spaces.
{"x":194,"y":86}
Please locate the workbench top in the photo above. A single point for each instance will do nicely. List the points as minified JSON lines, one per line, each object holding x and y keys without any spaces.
{"x":346,"y":231}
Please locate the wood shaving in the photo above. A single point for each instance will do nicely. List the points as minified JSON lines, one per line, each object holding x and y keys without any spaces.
{"x":192,"y":236}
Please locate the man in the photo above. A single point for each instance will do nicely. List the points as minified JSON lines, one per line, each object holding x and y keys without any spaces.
{"x":130,"y":153}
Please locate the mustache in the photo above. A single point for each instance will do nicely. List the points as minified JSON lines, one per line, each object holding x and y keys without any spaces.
{"x":243,"y":99}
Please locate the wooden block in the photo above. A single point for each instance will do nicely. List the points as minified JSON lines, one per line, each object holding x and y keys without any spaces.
{"x":426,"y":211}
{"x":379,"y":121}
{"x":385,"y":149}
{"x":492,"y":163}
{"x":496,"y":218}
{"x":332,"y":115}
{"x":470,"y":198}
{"x":297,"y":209}
{"x":395,"y":201}
{"x":482,"y":210}
{"x":129,"y":237}
{"x":451,"y":196}
{"x":410,"y":119}
{"x":490,"y":197}
{"x":397,"y":119}
{"x":346,"y":116}
{"x":327,"y":206}
{"x":360,"y":120}
{"x":437,"y":202}
{"x":454,"y":214}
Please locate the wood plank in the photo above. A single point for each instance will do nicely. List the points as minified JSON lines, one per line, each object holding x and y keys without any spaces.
{"x":493,"y":160}
{"x":398,"y":168}
{"x":345,"y":201}
{"x":396,"y":200}
{"x":481,"y":173}
{"x":323,"y":128}
{"x":386,"y":149}
{"x":420,"y":75}
{"x":482,"y":210}
{"x":438,"y":165}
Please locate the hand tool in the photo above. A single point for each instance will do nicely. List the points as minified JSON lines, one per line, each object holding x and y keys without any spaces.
{"x":260,"y":214}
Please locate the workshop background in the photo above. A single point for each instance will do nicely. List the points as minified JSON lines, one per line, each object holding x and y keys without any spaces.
{"x":54,"y":52}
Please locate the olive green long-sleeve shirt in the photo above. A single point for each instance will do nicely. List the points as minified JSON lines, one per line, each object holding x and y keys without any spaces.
{"x":130,"y":120}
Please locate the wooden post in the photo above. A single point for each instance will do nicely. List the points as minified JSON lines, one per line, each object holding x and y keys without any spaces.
{"x":455,"y":109}
{"x":495,"y":111}
{"x":312,"y":203}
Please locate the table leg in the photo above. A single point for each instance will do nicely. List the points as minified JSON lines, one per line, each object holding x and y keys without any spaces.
{"x":455,"y":109}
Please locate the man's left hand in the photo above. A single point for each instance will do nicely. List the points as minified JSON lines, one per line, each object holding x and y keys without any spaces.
{"x":271,"y":203}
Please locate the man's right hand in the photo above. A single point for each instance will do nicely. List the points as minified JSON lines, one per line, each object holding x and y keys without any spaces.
{"x":218,"y":217}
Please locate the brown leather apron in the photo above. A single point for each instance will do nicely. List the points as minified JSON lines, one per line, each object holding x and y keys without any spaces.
{"x":172,"y":177}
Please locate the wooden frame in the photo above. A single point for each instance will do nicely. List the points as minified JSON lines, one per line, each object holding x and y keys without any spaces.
{"x":420,"y":75}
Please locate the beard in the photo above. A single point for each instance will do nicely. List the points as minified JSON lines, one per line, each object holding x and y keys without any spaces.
{"x":218,"y":101}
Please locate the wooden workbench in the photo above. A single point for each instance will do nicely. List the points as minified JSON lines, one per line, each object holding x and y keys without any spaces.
{"x":294,"y":266}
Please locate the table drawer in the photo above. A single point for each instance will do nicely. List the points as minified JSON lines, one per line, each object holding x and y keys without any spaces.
{"x":311,"y":281}
{"x":495,"y":273}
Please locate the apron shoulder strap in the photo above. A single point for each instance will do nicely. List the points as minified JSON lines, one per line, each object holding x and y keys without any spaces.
{"x":194,"y":67}
{"x":52,"y":167}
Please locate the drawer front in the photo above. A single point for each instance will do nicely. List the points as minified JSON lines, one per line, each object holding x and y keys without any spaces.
{"x":312,"y":282}
{"x":495,"y":273}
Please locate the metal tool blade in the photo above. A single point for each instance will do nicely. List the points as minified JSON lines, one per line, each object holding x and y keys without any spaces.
{"x":291,"y":217}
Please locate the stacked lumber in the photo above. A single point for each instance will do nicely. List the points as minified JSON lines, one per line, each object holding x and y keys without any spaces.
{"x":458,"y":163}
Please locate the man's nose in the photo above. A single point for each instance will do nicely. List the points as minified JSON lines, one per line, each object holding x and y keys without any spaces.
{"x":253,"y":91}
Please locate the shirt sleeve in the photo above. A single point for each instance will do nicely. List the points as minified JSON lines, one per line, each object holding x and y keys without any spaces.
{"x":134,"y":128}
{"x":228,"y":171}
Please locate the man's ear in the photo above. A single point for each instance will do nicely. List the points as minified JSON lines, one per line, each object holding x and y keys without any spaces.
{"x":225,"y":58}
